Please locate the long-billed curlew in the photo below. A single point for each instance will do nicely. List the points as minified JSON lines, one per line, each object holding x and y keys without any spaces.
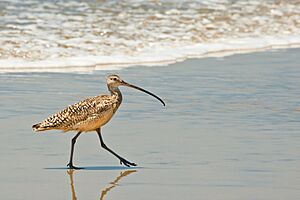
{"x":90,"y":115}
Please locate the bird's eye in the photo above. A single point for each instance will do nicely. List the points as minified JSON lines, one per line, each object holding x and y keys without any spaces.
{"x":114,"y":79}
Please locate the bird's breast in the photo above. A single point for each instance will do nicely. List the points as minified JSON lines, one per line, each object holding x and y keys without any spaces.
{"x":97,"y":121}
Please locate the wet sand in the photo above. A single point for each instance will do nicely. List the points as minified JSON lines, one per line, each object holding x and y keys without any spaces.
{"x":230,"y":130}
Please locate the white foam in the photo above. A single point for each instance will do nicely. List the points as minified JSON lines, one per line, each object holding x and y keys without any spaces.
{"x":150,"y":57}
{"x":67,"y":36}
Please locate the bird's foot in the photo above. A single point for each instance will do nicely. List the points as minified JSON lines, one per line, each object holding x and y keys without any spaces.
{"x":71,"y":166}
{"x":126,"y":163}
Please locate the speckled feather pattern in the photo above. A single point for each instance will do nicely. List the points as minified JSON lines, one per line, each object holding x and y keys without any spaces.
{"x":87,"y":115}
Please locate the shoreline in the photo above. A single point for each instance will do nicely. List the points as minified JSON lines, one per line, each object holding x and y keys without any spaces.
{"x":157,"y":58}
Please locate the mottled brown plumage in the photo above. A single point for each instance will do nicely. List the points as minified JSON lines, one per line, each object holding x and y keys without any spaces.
{"x":90,"y":115}
{"x":87,"y":115}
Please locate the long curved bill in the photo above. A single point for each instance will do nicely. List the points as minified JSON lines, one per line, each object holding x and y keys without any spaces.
{"x":141,"y":89}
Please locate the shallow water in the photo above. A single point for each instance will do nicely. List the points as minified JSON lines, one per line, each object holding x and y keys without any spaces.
{"x":89,"y":35}
{"x":230,"y":130}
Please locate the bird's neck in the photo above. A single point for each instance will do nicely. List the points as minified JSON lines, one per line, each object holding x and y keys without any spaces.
{"x":115,"y":92}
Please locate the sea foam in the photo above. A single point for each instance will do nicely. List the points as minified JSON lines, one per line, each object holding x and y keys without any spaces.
{"x":70,"y":36}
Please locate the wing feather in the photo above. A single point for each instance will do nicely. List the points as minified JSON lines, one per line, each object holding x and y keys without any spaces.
{"x":82,"y":112}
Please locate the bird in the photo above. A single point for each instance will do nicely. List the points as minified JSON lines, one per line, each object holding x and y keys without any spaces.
{"x":91,"y":114}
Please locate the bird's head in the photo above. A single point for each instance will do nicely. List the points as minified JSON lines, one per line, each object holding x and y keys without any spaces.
{"x":114,"y":81}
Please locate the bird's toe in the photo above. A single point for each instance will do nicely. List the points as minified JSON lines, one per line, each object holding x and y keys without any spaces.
{"x":127,"y":163}
{"x":71,"y":166}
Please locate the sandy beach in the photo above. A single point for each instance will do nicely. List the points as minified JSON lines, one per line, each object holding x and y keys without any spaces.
{"x":230,"y":130}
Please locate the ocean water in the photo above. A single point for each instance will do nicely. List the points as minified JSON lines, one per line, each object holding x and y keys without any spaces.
{"x":73,"y":35}
{"x":229,"y":131}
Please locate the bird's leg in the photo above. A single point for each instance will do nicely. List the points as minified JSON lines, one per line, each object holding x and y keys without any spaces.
{"x":70,"y":165}
{"x":122,"y":160}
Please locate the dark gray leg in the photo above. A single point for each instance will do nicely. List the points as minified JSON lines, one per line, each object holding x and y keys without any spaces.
{"x":122,"y":160}
{"x":70,"y":165}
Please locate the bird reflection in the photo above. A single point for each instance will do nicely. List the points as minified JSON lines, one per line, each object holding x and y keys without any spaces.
{"x":112,"y":184}
{"x":70,"y":172}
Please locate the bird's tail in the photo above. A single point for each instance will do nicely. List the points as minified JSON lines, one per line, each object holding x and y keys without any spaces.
{"x":39,"y":127}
